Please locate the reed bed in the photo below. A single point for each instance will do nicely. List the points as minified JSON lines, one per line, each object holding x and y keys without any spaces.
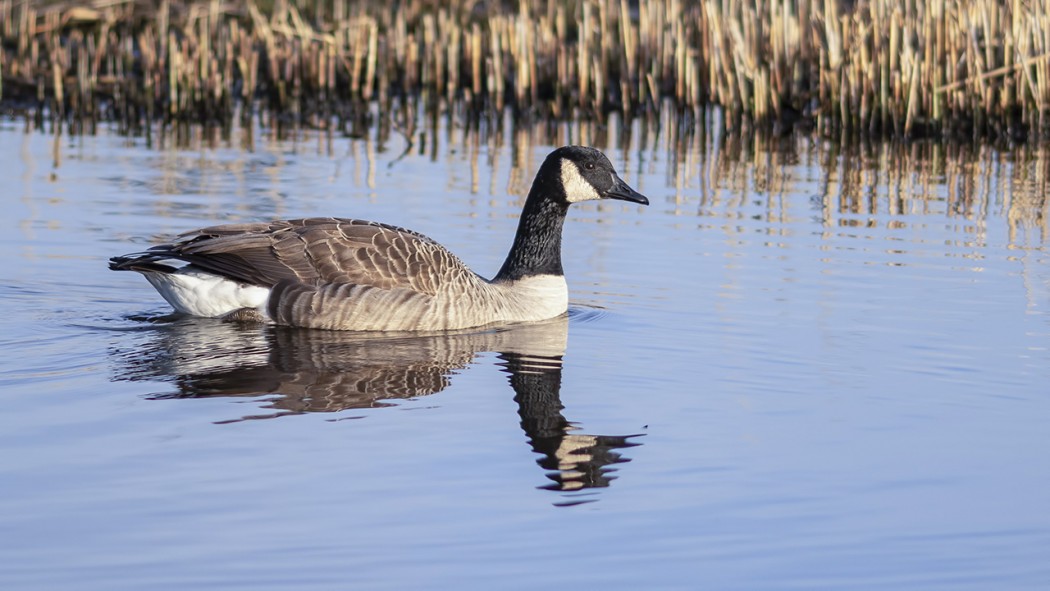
{"x":897,"y":68}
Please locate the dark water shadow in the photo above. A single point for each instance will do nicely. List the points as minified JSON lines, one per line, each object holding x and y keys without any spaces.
{"x":294,"y":371}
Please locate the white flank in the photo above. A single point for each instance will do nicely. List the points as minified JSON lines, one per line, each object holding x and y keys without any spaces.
{"x":192,"y":291}
{"x":544,"y":296}
{"x":576,"y":187}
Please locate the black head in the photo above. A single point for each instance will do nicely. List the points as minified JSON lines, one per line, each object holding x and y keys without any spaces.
{"x":585,"y":174}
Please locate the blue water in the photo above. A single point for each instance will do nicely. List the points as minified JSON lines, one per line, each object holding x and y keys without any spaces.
{"x":802,"y":367}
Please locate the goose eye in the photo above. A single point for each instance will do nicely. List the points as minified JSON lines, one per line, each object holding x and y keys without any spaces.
{"x":589,"y":166}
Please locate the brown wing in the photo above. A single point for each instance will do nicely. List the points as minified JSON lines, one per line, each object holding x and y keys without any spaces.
{"x":318,"y":251}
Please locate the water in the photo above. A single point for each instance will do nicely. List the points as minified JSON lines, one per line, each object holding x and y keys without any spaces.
{"x":800,"y":368}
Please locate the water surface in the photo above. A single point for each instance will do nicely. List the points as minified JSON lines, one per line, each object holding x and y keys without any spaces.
{"x":802,"y":367}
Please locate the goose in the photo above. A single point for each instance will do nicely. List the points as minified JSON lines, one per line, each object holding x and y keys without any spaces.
{"x":348,"y":274}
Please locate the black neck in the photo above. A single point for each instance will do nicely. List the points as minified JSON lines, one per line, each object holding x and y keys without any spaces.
{"x":537,"y":245}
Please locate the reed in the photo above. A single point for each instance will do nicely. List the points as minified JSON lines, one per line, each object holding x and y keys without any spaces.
{"x":896,"y":68}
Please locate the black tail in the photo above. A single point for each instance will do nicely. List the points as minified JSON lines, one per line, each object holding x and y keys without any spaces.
{"x":141,"y":262}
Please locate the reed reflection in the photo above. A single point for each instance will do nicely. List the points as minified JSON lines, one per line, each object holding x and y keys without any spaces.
{"x":299,"y":371}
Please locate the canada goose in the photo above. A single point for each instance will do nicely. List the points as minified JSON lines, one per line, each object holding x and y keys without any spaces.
{"x":348,"y":274}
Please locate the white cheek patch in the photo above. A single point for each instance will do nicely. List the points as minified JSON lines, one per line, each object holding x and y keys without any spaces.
{"x":576,"y":187}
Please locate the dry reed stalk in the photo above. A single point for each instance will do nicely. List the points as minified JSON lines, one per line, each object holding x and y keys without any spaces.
{"x":885,"y":67}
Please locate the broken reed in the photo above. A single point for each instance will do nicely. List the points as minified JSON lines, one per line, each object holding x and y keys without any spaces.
{"x":878,"y":67}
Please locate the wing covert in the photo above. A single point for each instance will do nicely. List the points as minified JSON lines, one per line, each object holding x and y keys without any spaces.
{"x":317,"y":251}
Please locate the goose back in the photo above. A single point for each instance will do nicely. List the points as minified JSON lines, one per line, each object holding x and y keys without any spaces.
{"x":316,"y":251}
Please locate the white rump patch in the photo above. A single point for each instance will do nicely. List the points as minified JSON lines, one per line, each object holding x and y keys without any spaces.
{"x":192,"y":291}
{"x":576,"y":187}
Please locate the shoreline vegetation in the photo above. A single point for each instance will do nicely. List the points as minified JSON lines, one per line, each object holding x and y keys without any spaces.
{"x":866,"y":69}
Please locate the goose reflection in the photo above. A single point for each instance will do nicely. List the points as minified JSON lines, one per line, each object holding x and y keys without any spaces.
{"x":299,"y":371}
